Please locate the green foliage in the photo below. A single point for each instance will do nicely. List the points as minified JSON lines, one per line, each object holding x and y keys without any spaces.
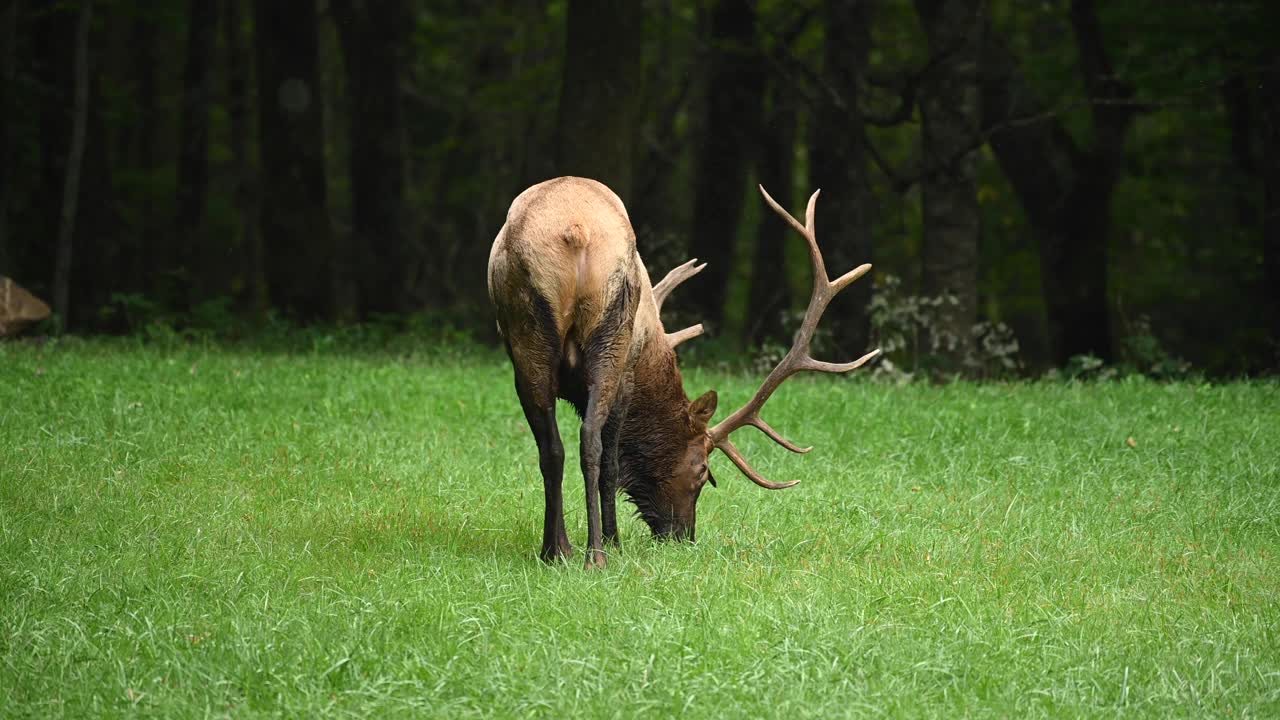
{"x":1083,"y":367}
{"x":1143,"y":355}
{"x":194,"y":532}
{"x":216,"y":323}
{"x":1145,"y":351}
{"x":907,"y":329}
{"x":134,"y":310}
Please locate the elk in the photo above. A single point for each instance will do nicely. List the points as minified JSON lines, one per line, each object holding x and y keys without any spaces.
{"x":580,"y":320}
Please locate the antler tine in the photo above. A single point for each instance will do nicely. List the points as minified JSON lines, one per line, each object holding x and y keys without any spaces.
{"x":802,"y":229}
{"x":679,"y":336}
{"x":815,"y":255}
{"x":732,"y":451}
{"x":809,"y":230}
{"x":820,"y":366}
{"x":798,"y":357}
{"x":767,"y":429}
{"x":678,"y":274}
{"x":844,"y":280}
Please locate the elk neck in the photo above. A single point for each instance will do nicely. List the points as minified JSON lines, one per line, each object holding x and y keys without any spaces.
{"x":656,"y":429}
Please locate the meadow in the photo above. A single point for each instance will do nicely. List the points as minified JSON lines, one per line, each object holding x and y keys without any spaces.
{"x":191,"y":531}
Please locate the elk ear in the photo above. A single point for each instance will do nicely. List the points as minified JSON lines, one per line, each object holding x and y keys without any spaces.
{"x":702,"y":409}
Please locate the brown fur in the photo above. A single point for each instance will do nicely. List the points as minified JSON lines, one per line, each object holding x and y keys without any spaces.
{"x":575,"y":306}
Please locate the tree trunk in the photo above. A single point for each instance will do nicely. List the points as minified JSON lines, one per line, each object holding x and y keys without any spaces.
{"x":1065,"y":190}
{"x":193,"y":150}
{"x":373,"y":34}
{"x":1243,"y":112}
{"x":248,"y":240}
{"x":949,"y":106}
{"x":1087,"y":329}
{"x":8,"y":53}
{"x":600,"y":100}
{"x":534,"y":159}
{"x":735,"y":84}
{"x":54,"y":30}
{"x":98,"y":222}
{"x":149,"y":262}
{"x":1269,"y":99}
{"x":838,"y":164}
{"x":660,"y":203}
{"x":770,"y":294}
{"x":295,"y":210}
{"x":71,"y":185}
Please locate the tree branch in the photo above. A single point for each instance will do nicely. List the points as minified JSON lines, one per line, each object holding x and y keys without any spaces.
{"x":902,"y":113}
{"x":1109,"y":94}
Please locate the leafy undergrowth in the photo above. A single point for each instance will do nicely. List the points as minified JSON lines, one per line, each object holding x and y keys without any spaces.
{"x":207,"y":532}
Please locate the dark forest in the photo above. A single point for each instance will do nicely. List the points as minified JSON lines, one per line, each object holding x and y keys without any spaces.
{"x":1037,"y":183}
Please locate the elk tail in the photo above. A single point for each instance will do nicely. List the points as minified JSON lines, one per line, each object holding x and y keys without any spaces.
{"x":576,"y":237}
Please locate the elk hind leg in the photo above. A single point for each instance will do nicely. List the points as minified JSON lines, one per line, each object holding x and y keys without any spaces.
{"x":539,"y":403}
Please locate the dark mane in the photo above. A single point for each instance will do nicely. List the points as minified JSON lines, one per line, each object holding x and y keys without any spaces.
{"x":655,"y":433}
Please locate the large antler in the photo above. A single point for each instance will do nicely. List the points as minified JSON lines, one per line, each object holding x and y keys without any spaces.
{"x":678,"y":274}
{"x":797,"y":359}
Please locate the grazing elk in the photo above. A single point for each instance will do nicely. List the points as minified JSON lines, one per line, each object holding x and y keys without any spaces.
{"x":580,"y":320}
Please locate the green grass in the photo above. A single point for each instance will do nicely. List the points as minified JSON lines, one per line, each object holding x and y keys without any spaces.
{"x":208,"y":532}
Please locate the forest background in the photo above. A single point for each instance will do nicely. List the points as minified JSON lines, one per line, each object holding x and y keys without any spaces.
{"x":1051,"y":184}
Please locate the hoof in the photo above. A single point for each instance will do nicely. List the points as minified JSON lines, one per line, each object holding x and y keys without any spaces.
{"x":595,"y":560}
{"x":556,"y":554}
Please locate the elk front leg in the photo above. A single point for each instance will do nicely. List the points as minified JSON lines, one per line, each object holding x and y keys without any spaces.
{"x":606,"y":352}
{"x":591,"y":452}
{"x":609,"y":468}
{"x":602,"y":396}
{"x":541,"y":415}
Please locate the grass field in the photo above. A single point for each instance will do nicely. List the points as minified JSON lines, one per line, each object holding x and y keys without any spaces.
{"x":208,"y":532}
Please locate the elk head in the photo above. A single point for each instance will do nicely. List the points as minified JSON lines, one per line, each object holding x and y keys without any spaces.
{"x":663,"y":448}
{"x":674,"y":502}
{"x":665,"y":467}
